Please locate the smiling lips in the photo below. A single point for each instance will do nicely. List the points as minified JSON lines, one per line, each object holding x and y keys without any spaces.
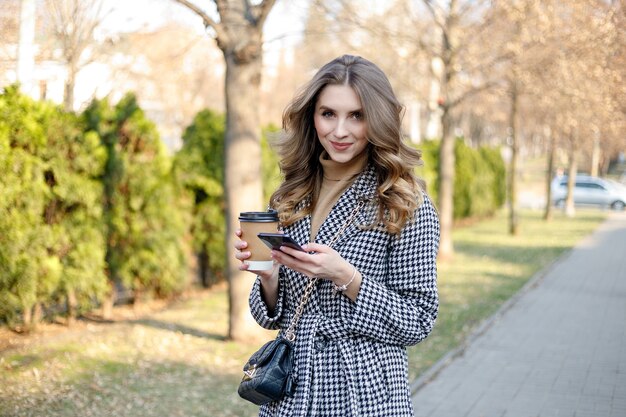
{"x":340,"y":146}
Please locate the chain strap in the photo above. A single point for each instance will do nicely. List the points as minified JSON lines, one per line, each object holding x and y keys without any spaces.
{"x":290,"y":333}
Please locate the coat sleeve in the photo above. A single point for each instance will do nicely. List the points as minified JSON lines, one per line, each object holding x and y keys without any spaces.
{"x":266,"y":318}
{"x":403,"y":309}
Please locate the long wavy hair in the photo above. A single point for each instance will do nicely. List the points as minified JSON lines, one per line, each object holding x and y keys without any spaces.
{"x":399,"y":190}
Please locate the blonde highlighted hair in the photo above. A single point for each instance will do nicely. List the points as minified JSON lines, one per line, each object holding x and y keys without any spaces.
{"x":399,"y":191}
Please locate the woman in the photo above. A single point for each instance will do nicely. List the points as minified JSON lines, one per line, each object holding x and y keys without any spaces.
{"x":349,"y":188}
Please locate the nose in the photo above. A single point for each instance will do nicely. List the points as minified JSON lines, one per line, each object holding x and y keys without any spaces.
{"x":341,"y":130}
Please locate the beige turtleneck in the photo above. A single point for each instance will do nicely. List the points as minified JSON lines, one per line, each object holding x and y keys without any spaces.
{"x":337,"y":178}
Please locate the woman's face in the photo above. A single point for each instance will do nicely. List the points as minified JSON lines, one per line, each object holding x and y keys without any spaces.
{"x":339,"y":122}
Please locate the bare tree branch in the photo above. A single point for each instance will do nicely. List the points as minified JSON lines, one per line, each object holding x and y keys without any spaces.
{"x":471,"y":92}
{"x":484,"y":66}
{"x":73,"y":24}
{"x":478,"y":30}
{"x":220,"y":33}
{"x":261,"y":11}
{"x":432,"y":8}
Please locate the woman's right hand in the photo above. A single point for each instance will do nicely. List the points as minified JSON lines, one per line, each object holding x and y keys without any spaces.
{"x":269,"y":279}
{"x":242,"y":254}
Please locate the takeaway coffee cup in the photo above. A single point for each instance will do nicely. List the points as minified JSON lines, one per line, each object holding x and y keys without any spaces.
{"x":253,"y":223}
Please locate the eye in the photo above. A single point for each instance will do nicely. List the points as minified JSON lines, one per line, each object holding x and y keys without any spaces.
{"x":327,"y":113}
{"x":357,"y":115}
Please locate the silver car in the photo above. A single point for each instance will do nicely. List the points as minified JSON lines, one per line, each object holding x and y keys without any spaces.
{"x":590,"y":191}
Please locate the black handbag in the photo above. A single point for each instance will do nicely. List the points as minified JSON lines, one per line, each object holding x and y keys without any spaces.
{"x":267,"y":376}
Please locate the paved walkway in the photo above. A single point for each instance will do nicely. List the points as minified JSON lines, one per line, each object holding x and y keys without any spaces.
{"x":559,"y":349}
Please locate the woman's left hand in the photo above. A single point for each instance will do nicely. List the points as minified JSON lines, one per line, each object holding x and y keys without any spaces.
{"x":324,"y":262}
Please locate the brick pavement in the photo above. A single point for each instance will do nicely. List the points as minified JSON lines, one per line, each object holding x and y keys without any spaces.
{"x":557,"y":349}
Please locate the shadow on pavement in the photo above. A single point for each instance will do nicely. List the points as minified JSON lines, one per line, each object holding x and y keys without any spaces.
{"x":175,"y":327}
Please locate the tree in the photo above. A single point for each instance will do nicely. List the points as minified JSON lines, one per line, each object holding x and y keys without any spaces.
{"x":145,"y":225}
{"x":73,"y":24}
{"x":52,"y":246}
{"x":521,"y":30}
{"x":458,"y":23}
{"x":575,"y":84}
{"x":239,"y":34}
{"x":199,"y":168}
{"x":9,"y":37}
{"x":74,"y":165}
{"x":29,"y":273}
{"x":558,"y":79}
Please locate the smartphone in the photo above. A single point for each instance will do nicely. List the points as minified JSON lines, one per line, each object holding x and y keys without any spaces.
{"x":276,"y":240}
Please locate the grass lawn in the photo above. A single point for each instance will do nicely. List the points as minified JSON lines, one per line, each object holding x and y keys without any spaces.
{"x":176,"y":362}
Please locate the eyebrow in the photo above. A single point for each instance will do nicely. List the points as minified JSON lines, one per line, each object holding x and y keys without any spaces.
{"x":333,"y":110}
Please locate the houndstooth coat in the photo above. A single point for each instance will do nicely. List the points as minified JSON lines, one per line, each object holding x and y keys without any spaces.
{"x":350,"y":357}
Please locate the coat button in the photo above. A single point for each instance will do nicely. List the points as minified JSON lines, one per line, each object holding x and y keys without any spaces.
{"x":320,"y":343}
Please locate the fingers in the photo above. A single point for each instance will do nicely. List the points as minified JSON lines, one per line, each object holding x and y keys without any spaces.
{"x":317,"y":260}
{"x":243,"y":266}
{"x":240,"y":254}
{"x":292,"y":262}
{"x":279,"y":256}
{"x":240,"y":244}
{"x":315,"y":247}
{"x":303,"y":262}
{"x":288,"y":257}
{"x":292,"y":252}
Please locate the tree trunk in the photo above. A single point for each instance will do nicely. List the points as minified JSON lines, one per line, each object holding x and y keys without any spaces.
{"x":513,"y":209}
{"x":107,"y":302}
{"x":595,"y":157}
{"x":446,"y":186}
{"x":32,"y":316}
{"x":68,"y":93}
{"x":547,"y":215}
{"x":203,"y":268}
{"x":244,"y":188}
{"x":570,"y":210}
{"x":446,"y":153}
{"x":138,"y":299}
{"x":72,"y":306}
{"x":433,"y":128}
{"x":37,"y":315}
{"x":27,"y":319}
{"x":239,"y":34}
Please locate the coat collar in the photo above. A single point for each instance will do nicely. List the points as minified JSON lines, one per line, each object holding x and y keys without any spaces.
{"x":363,"y":189}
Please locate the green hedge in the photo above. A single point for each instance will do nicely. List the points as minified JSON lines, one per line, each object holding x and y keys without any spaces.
{"x":144,"y":221}
{"x":479,"y":182}
{"x":51,"y":230}
{"x":85,"y":202}
{"x":199,"y":170}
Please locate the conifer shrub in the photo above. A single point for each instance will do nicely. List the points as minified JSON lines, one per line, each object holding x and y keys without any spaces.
{"x":479,"y":182}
